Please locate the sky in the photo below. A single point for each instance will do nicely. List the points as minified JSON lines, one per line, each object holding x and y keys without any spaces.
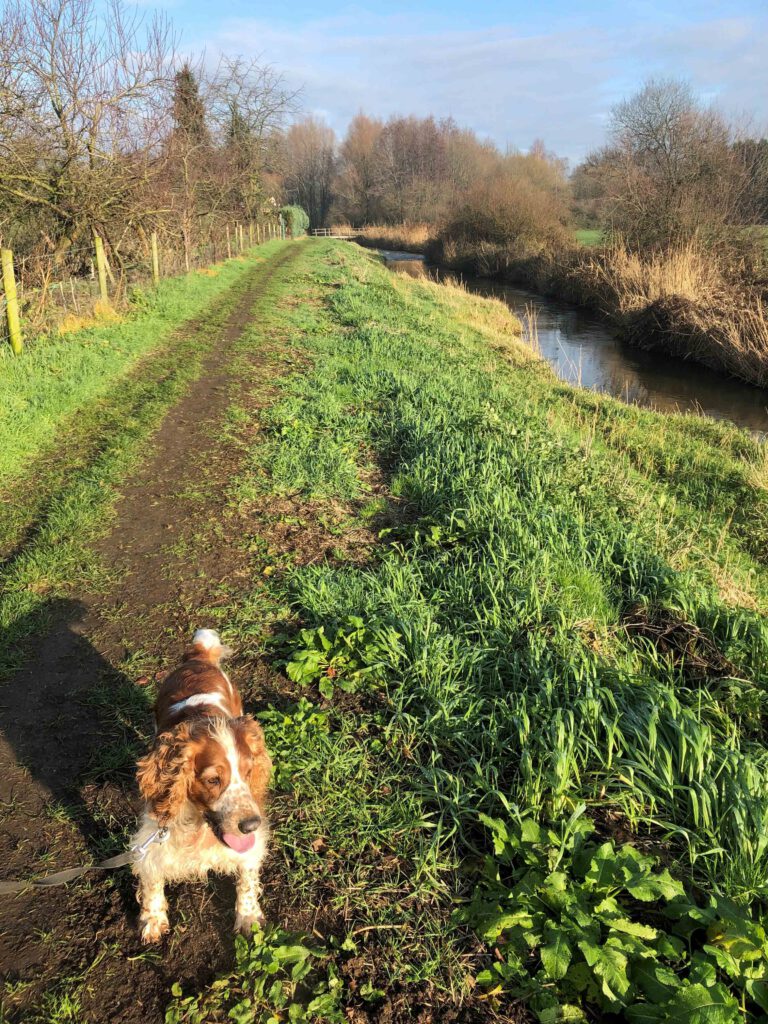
{"x":513,"y":72}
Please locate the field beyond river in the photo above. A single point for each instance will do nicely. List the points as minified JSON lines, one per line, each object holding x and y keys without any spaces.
{"x":507,"y":638}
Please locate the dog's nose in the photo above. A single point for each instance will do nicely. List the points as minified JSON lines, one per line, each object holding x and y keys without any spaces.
{"x":249,"y":824}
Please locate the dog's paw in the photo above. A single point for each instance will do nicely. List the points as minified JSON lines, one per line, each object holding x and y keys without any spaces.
{"x":153,"y":927}
{"x":244,"y":922}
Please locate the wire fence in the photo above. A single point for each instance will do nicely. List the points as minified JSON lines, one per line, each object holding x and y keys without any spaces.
{"x":49,"y":292}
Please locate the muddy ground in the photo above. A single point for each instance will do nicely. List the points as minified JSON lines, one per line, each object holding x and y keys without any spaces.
{"x":70,"y":716}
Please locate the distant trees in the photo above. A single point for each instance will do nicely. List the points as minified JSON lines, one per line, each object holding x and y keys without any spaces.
{"x":406,"y":169}
{"x":673,"y":170}
{"x":357,"y":185}
{"x":102,"y":128}
{"x":520,"y":202}
{"x":309,"y":161}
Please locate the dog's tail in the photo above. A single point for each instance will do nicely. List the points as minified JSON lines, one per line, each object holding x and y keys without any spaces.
{"x":206,"y":644}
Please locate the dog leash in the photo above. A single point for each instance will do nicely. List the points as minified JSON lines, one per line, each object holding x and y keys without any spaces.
{"x":135,"y":853}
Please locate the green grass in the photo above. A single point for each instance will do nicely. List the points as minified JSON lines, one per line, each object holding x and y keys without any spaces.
{"x":56,"y":379}
{"x":567,"y":625}
{"x":560,"y":637}
{"x":589,"y":236}
{"x":101,"y":426}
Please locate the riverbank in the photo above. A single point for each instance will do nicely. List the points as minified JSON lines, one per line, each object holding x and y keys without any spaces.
{"x":506,"y":638}
{"x":678,"y":303}
{"x":583,"y":349}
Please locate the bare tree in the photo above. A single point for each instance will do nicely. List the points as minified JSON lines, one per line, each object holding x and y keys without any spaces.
{"x":84,"y":97}
{"x":310,"y":163}
{"x":249,"y":102}
{"x":357,"y":184}
{"x":672,"y":171}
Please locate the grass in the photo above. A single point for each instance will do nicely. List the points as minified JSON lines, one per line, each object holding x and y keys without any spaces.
{"x":563,"y":629}
{"x":589,"y":236}
{"x":101,"y":425}
{"x":549,"y":652}
{"x":56,"y":379}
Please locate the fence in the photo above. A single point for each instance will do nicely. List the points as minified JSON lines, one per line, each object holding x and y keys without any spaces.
{"x":43,"y":292}
{"x":337,"y":232}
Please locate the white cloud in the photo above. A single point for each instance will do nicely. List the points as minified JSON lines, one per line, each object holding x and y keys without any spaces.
{"x":505,"y":84}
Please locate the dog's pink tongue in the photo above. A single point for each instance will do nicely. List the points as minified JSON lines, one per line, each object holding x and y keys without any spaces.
{"x":239,"y":843}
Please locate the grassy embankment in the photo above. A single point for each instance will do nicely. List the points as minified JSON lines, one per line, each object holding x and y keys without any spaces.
{"x":77,"y":412}
{"x":680,"y":302}
{"x":557,"y":648}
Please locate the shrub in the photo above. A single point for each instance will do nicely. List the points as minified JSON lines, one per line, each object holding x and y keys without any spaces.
{"x":296,"y":220}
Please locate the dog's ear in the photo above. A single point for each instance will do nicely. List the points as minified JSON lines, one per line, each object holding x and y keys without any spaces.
{"x":166,"y":772}
{"x":262,"y":763}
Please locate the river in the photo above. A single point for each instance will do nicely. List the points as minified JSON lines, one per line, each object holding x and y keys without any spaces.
{"x":581,"y":349}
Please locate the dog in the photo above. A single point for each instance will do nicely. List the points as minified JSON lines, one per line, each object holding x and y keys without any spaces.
{"x":205,"y":784}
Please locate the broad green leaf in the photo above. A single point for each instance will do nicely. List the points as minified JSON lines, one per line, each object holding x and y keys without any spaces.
{"x":695,"y":1004}
{"x":323,"y":1005}
{"x":645,"y":1013}
{"x":726,"y":961}
{"x":654,"y":887}
{"x":669,"y":946}
{"x":557,"y":881}
{"x":758,"y":993}
{"x":623,"y":924}
{"x":604,"y":870}
{"x":611,"y":967}
{"x":556,"y":953}
{"x":657,"y":982}
{"x":291,"y":954}
{"x":530,"y":832}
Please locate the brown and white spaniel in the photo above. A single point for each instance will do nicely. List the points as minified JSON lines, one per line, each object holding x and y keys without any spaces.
{"x":205,"y":781}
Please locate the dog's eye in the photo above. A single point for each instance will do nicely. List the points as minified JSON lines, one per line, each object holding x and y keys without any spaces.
{"x":215,"y":781}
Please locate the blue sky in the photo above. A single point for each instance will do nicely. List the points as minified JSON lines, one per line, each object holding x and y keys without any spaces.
{"x":512,"y":71}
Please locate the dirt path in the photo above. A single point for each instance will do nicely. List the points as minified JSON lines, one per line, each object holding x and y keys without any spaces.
{"x":73,"y":712}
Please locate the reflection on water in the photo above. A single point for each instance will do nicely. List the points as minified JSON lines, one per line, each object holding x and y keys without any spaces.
{"x":581,"y":350}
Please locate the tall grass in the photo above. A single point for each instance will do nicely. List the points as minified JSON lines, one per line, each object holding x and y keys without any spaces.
{"x":404,"y":237}
{"x":549,"y":539}
{"x":682,"y":299}
{"x":539,"y":544}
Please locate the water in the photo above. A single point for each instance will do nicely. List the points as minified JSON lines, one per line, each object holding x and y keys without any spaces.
{"x":582,"y":350}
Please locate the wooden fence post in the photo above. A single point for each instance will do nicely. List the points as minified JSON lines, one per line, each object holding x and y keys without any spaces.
{"x":101,"y":267}
{"x":250,"y":233}
{"x":229,"y":245}
{"x":11,"y":302}
{"x":258,"y":234}
{"x":155,"y":260}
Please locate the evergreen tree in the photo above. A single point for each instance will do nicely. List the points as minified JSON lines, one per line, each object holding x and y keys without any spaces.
{"x":188,"y":107}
